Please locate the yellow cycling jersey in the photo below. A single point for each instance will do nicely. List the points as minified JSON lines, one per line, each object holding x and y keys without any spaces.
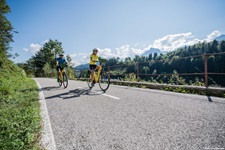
{"x":93,"y":57}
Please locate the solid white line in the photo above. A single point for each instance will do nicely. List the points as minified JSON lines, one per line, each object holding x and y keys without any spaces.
{"x":103,"y":94}
{"x":47,"y":139}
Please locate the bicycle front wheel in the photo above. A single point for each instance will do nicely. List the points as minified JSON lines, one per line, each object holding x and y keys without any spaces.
{"x":65,"y":80}
{"x":104,"y":81}
{"x":60,"y":81}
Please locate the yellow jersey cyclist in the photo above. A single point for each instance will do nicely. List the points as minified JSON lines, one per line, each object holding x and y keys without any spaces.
{"x":93,"y":59}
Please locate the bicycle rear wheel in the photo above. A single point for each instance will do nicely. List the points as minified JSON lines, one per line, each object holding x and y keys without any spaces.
{"x":65,"y":80}
{"x":104,"y":81}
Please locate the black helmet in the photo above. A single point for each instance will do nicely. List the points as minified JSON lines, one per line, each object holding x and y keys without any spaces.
{"x":61,"y":54}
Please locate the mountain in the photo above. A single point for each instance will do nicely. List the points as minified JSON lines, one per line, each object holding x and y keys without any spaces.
{"x":82,"y":67}
{"x":220,"y":38}
{"x":152,"y":51}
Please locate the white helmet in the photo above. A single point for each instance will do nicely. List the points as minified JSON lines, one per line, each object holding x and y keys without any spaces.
{"x":95,"y":50}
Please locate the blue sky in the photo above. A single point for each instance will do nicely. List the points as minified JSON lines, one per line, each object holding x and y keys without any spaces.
{"x":118,"y":27}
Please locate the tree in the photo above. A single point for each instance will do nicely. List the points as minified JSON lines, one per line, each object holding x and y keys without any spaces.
{"x":47,"y":70}
{"x":214,"y":47}
{"x":155,"y":55}
{"x":47,"y":54}
{"x":6,"y":30}
{"x":70,"y":72}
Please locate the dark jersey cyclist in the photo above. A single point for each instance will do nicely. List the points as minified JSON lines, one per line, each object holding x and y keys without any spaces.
{"x":60,"y":61}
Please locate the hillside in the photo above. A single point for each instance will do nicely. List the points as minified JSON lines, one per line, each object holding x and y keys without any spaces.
{"x":82,"y":67}
{"x":152,"y":51}
{"x":20,"y":120}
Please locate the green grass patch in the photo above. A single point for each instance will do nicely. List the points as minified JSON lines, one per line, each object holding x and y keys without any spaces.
{"x":19,"y":110}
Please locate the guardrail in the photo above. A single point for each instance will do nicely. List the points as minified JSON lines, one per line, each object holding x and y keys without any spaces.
{"x":205,"y":73}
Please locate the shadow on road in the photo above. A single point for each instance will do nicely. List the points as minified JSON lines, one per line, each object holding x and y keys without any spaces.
{"x":50,"y":88}
{"x":74,"y":93}
{"x":209,"y":98}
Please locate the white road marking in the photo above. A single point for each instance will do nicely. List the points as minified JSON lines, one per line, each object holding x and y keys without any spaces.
{"x":47,"y":139}
{"x":103,"y":94}
{"x":107,"y":95}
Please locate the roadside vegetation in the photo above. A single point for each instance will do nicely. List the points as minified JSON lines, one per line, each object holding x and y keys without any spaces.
{"x":19,"y":109}
{"x":43,"y":64}
{"x":20,"y":121}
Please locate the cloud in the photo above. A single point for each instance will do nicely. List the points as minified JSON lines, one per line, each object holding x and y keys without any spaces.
{"x":174,"y":41}
{"x":165,"y":44}
{"x":73,"y":55}
{"x":212,"y":36}
{"x":35,"y":47}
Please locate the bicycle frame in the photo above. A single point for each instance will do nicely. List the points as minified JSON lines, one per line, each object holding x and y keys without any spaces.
{"x":61,"y":73}
{"x":96,"y":76}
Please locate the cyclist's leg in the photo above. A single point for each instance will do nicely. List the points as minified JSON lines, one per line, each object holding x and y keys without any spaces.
{"x":58,"y":71}
{"x":99,"y":68}
{"x":92,"y":68}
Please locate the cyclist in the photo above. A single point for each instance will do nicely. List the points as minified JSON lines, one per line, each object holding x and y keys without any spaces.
{"x":59,"y":62}
{"x":93,"y":59}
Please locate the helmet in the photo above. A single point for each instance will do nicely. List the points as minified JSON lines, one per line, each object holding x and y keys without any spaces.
{"x":61,"y":54}
{"x":95,"y":50}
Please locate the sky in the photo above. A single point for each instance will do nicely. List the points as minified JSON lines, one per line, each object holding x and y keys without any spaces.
{"x":119,"y":28}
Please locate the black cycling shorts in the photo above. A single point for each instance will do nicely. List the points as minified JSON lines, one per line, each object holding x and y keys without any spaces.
{"x":58,"y":67}
{"x":93,"y":67}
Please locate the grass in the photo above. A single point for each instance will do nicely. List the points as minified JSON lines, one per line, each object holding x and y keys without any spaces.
{"x":19,"y":109}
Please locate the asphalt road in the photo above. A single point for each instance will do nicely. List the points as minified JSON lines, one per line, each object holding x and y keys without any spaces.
{"x":127,"y":118}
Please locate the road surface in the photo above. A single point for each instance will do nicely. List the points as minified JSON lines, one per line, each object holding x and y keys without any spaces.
{"x":126,"y":118}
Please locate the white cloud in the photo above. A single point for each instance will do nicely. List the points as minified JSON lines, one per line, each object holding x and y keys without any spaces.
{"x":213,"y":35}
{"x":121,"y":52}
{"x":33,"y":48}
{"x":174,"y":41}
{"x":165,"y":44}
{"x":73,"y":55}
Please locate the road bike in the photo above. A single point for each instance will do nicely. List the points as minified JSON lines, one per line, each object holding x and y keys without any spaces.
{"x":63,"y":79}
{"x":101,"y":77}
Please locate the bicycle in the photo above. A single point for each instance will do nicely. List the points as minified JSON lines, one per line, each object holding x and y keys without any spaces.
{"x":101,"y":77}
{"x":63,"y":79}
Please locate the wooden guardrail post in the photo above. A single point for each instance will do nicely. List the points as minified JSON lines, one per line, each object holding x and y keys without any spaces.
{"x":138,"y":73}
{"x":206,"y":69}
{"x":109,"y":70}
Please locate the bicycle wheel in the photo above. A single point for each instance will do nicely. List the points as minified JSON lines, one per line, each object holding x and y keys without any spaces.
{"x":104,"y":81}
{"x":89,"y":82}
{"x":60,"y":81}
{"x":65,"y":80}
